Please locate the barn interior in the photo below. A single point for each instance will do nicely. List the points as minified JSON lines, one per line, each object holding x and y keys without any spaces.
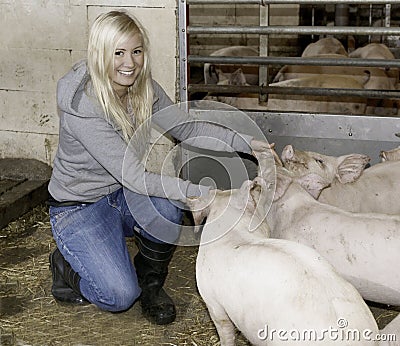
{"x":29,"y":315}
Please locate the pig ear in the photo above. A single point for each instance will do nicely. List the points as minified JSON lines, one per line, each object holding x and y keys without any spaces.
{"x":200,"y":209}
{"x":287,"y":153}
{"x":246,"y":194}
{"x":237,"y":78}
{"x":313,"y":184}
{"x":212,"y":71}
{"x":366,"y":77}
{"x":383,"y":156}
{"x":254,"y":195}
{"x":256,"y":205}
{"x":390,"y":155}
{"x":282,"y":184}
{"x":351,"y":167}
{"x":251,"y":191}
{"x":199,"y":216}
{"x":222,"y":77}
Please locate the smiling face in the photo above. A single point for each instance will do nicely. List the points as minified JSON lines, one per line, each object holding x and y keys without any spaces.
{"x":128,"y":62}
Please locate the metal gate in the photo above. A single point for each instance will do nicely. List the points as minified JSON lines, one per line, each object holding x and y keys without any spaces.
{"x":331,"y":134}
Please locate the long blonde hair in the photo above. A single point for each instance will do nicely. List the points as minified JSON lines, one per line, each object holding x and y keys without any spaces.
{"x":107,"y":31}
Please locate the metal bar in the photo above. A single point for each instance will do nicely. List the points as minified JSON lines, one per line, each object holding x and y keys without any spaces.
{"x":183,"y":68}
{"x":370,"y":21}
{"x":227,"y":2}
{"x":264,"y":49}
{"x":269,"y":2}
{"x":388,"y":8}
{"x":255,"y":89}
{"x":312,"y":19}
{"x":257,"y":60}
{"x":301,"y":30}
{"x":389,"y":40}
{"x":330,"y":134}
{"x":334,"y":126}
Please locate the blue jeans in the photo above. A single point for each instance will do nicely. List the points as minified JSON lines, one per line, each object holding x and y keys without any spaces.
{"x":91,"y":237}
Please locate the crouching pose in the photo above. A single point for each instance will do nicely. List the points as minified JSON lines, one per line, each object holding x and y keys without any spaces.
{"x":102,"y":102}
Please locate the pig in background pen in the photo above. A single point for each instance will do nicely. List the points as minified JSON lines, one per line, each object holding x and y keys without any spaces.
{"x":308,"y":76}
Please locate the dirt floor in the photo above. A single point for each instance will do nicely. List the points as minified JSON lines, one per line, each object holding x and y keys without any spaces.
{"x":30,"y":316}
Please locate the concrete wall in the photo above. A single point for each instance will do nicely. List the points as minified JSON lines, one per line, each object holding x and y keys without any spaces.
{"x":242,"y":15}
{"x":41,"y":40}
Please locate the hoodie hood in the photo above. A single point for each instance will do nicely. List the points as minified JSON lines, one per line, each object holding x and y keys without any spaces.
{"x":72,"y":97}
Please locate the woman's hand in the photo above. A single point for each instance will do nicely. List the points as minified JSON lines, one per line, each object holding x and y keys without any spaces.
{"x":257,"y":145}
{"x":260,"y":146}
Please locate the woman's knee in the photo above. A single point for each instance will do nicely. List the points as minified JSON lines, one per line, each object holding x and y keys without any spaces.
{"x":116,"y":296}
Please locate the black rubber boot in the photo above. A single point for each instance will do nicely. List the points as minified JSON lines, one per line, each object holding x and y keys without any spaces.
{"x":65,"y":286}
{"x":151,"y":265}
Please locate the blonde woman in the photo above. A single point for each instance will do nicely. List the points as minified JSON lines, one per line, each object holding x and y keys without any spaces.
{"x":102,"y":101}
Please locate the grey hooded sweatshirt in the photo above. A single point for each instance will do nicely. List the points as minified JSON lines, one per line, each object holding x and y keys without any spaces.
{"x":92,"y":159}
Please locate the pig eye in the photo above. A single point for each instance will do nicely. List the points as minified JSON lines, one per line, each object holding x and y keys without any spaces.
{"x":320,"y":162}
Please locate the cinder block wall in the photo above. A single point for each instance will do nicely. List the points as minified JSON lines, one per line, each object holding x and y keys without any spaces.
{"x":242,"y":15}
{"x":41,"y":40}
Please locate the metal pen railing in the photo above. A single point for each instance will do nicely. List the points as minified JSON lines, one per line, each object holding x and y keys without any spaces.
{"x":185,"y":31}
{"x":270,"y":2}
